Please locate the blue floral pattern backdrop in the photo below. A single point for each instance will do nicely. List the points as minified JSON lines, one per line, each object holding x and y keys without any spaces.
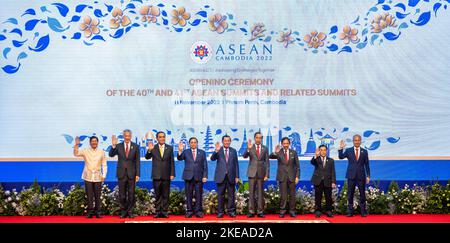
{"x":96,"y":23}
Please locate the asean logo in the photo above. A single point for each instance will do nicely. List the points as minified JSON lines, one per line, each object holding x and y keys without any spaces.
{"x":201,"y":52}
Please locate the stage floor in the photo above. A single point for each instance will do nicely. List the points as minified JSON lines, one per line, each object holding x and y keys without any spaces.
{"x":309,"y":218}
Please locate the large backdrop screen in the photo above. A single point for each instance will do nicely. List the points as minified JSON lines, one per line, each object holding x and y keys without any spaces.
{"x":316,"y":71}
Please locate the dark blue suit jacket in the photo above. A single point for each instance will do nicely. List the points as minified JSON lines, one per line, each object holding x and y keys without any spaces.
{"x":356,"y":169}
{"x":197,"y":169}
{"x":221,"y":167}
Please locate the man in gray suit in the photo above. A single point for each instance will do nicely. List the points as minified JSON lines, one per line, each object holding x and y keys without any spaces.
{"x":257,"y":172}
{"x":288,"y":173}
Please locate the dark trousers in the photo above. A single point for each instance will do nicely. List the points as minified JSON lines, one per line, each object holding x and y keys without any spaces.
{"x":256,"y":193}
{"x":230,"y":189}
{"x":127,"y":187}
{"x":193,"y":189}
{"x":93,"y":193}
{"x":162,"y":191}
{"x":352,"y":183}
{"x":319,"y":190}
{"x":287,"y":189}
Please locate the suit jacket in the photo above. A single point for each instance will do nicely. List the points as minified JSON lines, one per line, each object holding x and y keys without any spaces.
{"x":327,"y":173}
{"x":162,"y":167}
{"x":197,"y":169}
{"x":258,"y":165}
{"x":132,"y":163}
{"x":221,"y":166}
{"x":356,"y":169}
{"x":287,"y":170}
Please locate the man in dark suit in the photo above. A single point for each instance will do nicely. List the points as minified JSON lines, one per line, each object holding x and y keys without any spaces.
{"x":288,"y":173}
{"x":163,"y":171}
{"x":128,"y":171}
{"x":323,"y":179}
{"x":358,"y":172}
{"x":226,"y":175}
{"x":257,"y":172}
{"x":195,"y":174}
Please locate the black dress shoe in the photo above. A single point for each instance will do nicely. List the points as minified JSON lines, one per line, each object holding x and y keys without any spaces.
{"x":165,"y":215}
{"x":89,"y":216}
{"x":364,"y":215}
{"x":188,"y":215}
{"x":131,"y":215}
{"x":318,"y":213}
{"x":123,"y":215}
{"x":349,"y":215}
{"x":220,"y":215}
{"x":97,"y":215}
{"x":233,"y":215}
{"x":199,"y":215}
{"x":250,"y":215}
{"x":329,"y":214}
{"x":157,"y":216}
{"x":281,"y":215}
{"x":260,"y":215}
{"x":292,"y":215}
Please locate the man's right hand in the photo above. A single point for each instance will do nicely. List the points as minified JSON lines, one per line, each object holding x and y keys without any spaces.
{"x":77,"y":141}
{"x":150,"y":146}
{"x":114,"y":141}
{"x":217,"y":147}
{"x":317,"y":153}
{"x":180,"y":147}
{"x":342,"y":145}
{"x":249,"y":145}
{"x":277,"y":148}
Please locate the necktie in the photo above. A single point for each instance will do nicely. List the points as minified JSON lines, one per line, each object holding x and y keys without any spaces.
{"x":226,"y":155}
{"x":193,"y":154}
{"x":161,"y":150}
{"x":357,"y":153}
{"x":226,"y":160}
{"x":323,"y":161}
{"x":127,"y":150}
{"x":286,"y":156}
{"x":257,"y":151}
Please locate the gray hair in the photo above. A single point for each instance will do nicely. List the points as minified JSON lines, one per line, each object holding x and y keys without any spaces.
{"x":126,"y":130}
{"x":357,"y":135}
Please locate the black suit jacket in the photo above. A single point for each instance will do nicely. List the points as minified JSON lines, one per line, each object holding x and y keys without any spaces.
{"x":287,"y":170}
{"x":162,"y":167}
{"x":327,"y":173}
{"x":132,"y":163}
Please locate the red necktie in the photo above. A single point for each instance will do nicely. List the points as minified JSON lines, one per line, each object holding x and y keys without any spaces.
{"x":193,"y":154}
{"x":127,"y":150}
{"x":357,"y":154}
{"x":257,"y":151}
{"x":286,"y":156}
